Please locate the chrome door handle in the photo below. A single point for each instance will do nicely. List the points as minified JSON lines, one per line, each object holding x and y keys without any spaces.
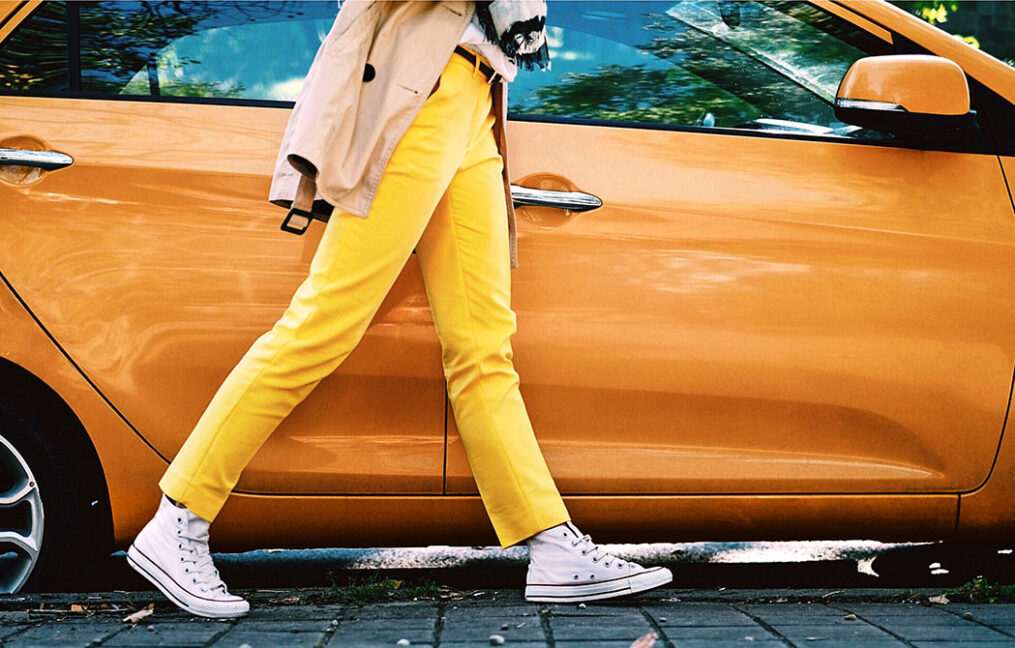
{"x":577,"y":201}
{"x":45,"y":160}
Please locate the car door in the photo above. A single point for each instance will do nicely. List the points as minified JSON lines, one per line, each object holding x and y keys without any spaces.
{"x":768,"y":300}
{"x":154,"y":259}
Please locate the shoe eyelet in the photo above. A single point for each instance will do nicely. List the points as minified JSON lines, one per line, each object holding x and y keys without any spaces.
{"x":594,"y":559}
{"x":181,"y":558}
{"x":179,"y":520}
{"x":592,"y":577}
{"x":576,"y":576}
{"x":193,"y":580}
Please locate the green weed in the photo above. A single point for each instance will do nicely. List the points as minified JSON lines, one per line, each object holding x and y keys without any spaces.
{"x":980,"y":590}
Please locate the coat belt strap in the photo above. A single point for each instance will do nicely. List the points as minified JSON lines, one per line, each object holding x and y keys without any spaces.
{"x":301,"y":212}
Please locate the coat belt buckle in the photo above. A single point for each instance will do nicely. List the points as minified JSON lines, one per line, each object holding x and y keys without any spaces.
{"x":297,"y":221}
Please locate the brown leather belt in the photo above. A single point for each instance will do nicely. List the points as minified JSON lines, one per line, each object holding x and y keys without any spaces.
{"x":490,"y":74}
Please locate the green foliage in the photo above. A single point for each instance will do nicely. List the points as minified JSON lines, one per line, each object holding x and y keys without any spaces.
{"x":936,"y":12}
{"x":980,"y":590}
{"x":376,"y":588}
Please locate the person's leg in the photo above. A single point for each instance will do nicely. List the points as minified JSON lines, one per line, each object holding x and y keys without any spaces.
{"x":356,"y":263}
{"x":464,"y":257}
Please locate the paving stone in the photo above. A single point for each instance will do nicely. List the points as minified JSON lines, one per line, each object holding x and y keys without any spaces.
{"x":594,"y":610}
{"x":964,"y":644}
{"x":499,"y":610}
{"x":417,"y":631}
{"x":795,"y":613}
{"x":724,"y":633}
{"x":168,"y":634}
{"x":256,"y":638}
{"x":916,"y":619}
{"x":893,"y":609}
{"x":971,"y":632}
{"x":853,"y":631}
{"x":65,"y":634}
{"x":14,"y":617}
{"x":295,"y":612}
{"x":392,"y":611}
{"x":992,"y":614}
{"x":587,"y":629}
{"x":467,"y":627}
{"x":698,"y":614}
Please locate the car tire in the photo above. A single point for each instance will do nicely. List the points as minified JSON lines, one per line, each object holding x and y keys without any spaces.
{"x":49,"y":499}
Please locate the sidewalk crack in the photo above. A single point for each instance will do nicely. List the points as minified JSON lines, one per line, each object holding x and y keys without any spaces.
{"x":778,"y":635}
{"x":656,"y":628}
{"x":544,"y":621}
{"x":979,"y":623}
{"x":438,"y":624}
{"x":336,"y":623}
{"x":871,"y":623}
{"x":218,"y":635}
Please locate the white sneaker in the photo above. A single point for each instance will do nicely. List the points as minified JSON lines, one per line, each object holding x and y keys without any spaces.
{"x":564,"y":566}
{"x":172,"y":552}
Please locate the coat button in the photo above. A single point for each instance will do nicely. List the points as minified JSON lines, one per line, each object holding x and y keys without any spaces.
{"x":369,"y":73}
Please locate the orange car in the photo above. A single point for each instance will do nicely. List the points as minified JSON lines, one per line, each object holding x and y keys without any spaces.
{"x":766,"y":283}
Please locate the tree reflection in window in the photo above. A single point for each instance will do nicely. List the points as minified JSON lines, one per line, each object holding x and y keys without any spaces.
{"x":759,"y":65}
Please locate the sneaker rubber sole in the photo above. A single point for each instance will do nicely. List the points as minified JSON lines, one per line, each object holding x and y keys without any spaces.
{"x":574,"y":593}
{"x":179,"y":596}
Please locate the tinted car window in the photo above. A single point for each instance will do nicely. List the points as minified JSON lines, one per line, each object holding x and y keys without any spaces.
{"x":753,"y":65}
{"x":34,"y":57}
{"x":238,"y":50}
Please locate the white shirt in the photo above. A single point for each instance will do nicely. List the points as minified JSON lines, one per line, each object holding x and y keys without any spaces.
{"x":476,"y":40}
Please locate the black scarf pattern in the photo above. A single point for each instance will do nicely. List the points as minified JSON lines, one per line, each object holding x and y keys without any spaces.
{"x":518,"y":27}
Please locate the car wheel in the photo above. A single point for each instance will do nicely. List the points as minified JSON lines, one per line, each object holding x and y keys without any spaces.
{"x":48,"y":532}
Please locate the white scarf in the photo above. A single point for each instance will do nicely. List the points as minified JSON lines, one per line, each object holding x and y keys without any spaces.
{"x":518,"y":28}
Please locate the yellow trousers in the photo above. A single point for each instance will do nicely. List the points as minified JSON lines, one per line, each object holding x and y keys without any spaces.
{"x":442,"y":194}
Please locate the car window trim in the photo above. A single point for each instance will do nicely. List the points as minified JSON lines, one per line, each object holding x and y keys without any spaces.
{"x":745,"y":132}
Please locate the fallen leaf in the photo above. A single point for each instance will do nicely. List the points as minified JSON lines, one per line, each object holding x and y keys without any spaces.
{"x":647,"y":641}
{"x":74,"y":607}
{"x":940,"y":599}
{"x":137,"y":616}
{"x":849,"y":617}
{"x":290,"y":600}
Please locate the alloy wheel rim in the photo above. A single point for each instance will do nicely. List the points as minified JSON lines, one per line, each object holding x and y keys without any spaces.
{"x":20,"y":535}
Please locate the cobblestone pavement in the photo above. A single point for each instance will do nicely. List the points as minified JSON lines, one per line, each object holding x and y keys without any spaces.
{"x":679,"y":618}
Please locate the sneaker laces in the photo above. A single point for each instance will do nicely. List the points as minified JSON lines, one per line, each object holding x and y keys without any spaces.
{"x":204,"y":573}
{"x":597,"y":553}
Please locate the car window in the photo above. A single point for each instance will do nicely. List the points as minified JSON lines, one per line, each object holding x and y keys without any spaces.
{"x":235,"y":50}
{"x":772,"y":66}
{"x":34,"y":57}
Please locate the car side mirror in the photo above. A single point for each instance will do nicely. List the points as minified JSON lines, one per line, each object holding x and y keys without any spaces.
{"x":905,"y":94}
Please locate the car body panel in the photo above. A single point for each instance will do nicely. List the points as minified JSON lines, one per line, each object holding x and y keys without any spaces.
{"x":128,"y":464}
{"x":759,"y":314}
{"x":170,"y":264}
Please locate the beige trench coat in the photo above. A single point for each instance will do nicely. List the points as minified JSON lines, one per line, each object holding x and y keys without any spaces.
{"x":344,"y":128}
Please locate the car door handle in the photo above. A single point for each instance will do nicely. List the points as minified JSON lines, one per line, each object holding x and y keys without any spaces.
{"x":45,"y":160}
{"x":577,"y":201}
